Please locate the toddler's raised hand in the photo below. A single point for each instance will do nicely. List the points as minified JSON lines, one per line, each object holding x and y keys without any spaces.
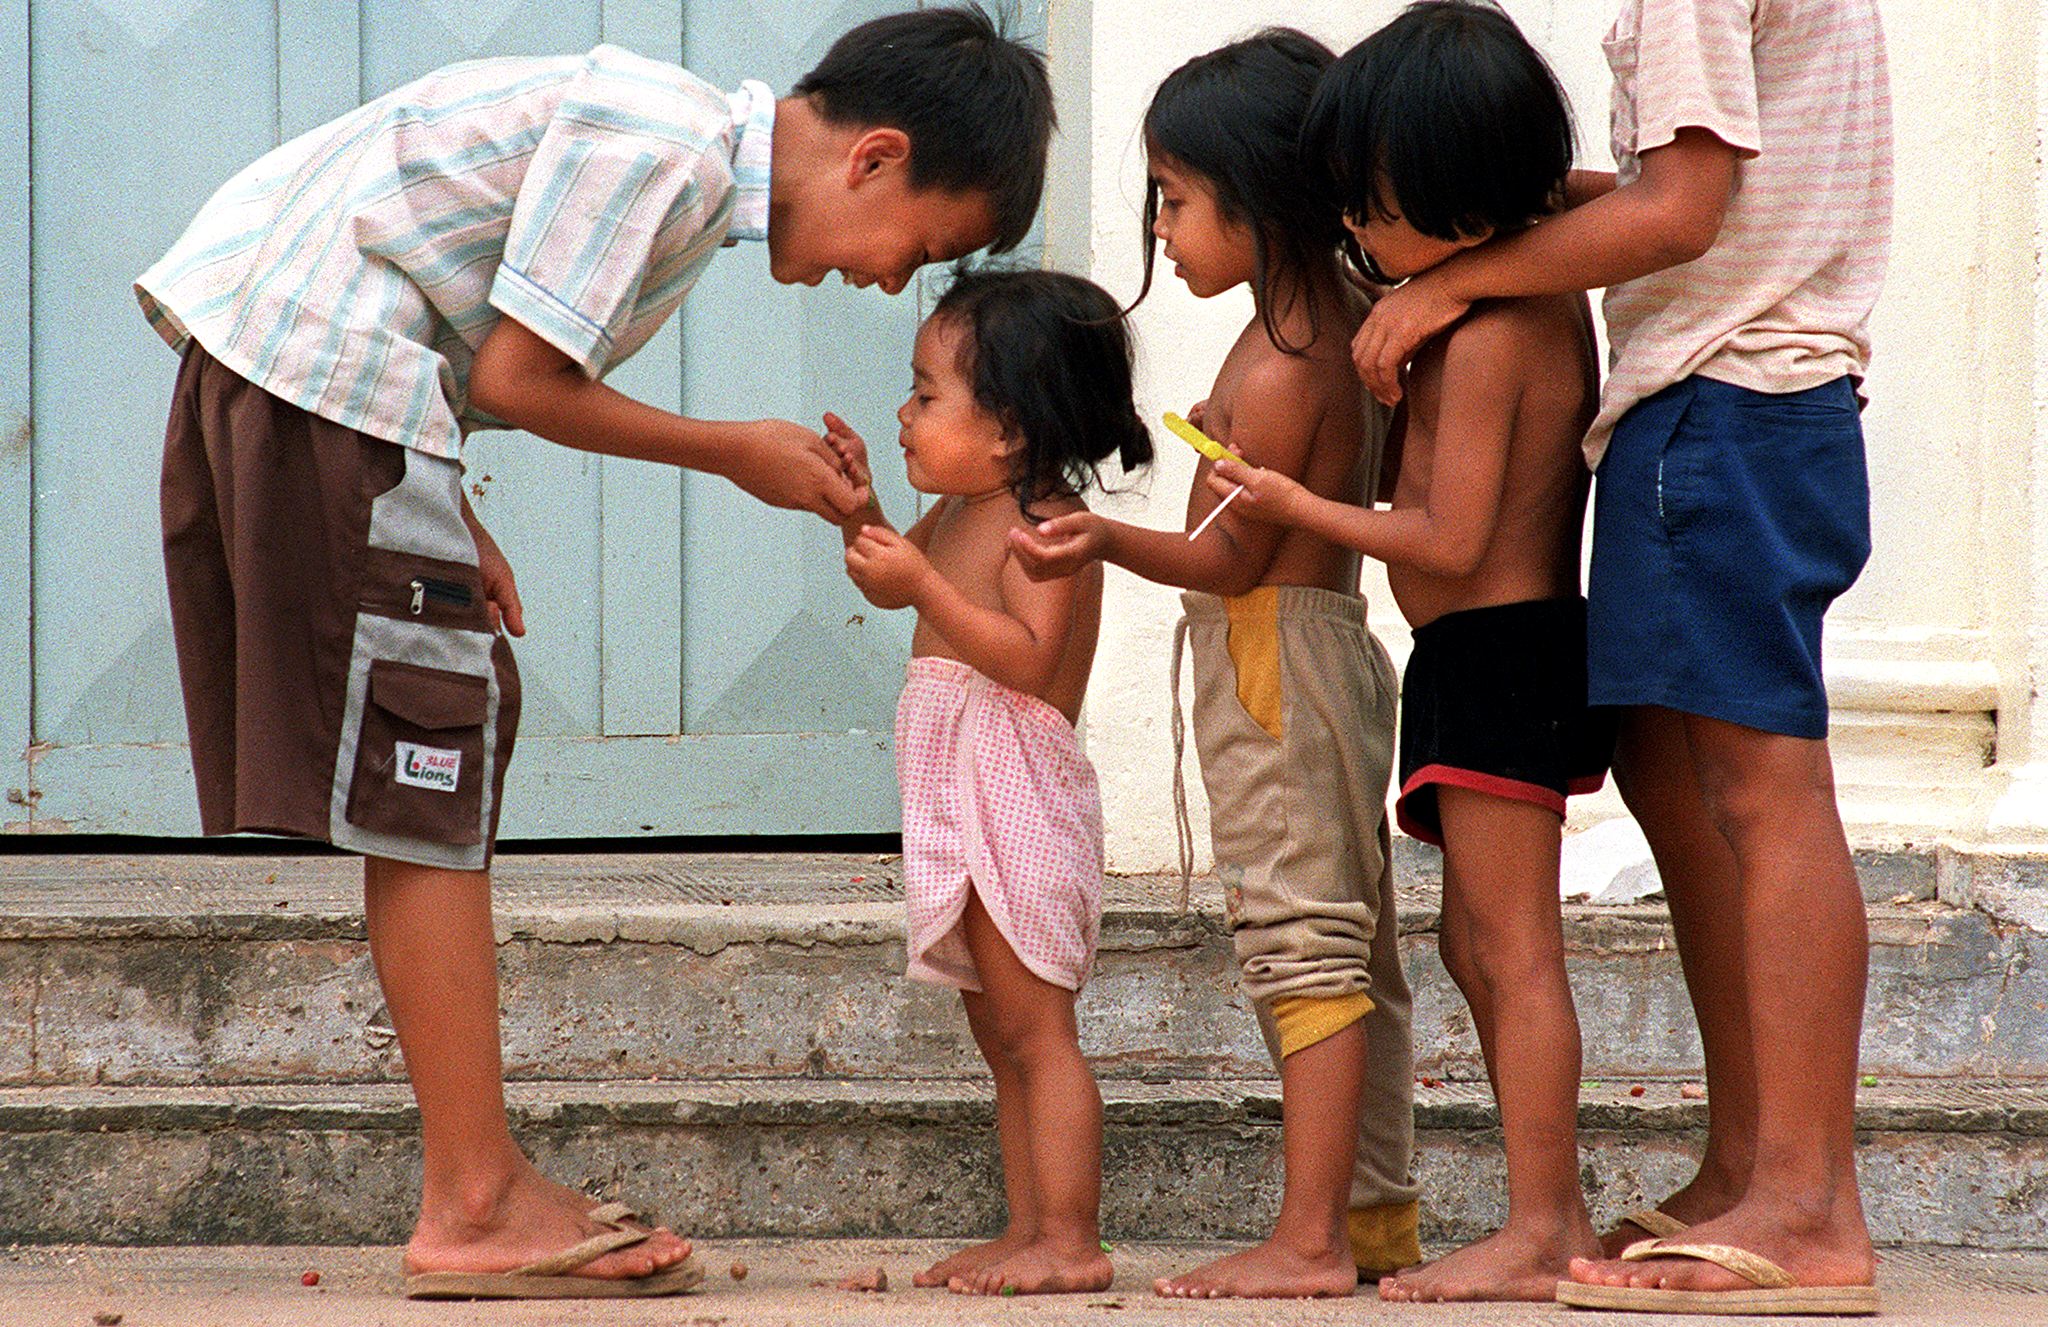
{"x":1268,"y":495}
{"x":850,"y":448}
{"x":888,"y":568}
{"x":1054,"y":549}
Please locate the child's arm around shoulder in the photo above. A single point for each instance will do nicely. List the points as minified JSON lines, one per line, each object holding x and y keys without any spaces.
{"x":1669,"y":214}
{"x":1583,"y":186}
{"x":1277,"y":412}
{"x":1448,"y":535}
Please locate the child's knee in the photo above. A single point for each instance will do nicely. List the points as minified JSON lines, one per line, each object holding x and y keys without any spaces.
{"x":1489,"y":954}
{"x":1325,"y":949}
{"x":1751,"y":805}
{"x":989,"y":1042}
{"x":1026,"y":1040}
{"x":1454,"y":947}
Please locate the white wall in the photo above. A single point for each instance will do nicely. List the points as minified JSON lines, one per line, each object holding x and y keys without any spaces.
{"x":1946,"y":625}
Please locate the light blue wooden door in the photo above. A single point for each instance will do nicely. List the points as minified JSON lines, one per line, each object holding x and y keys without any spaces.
{"x":694,"y":664}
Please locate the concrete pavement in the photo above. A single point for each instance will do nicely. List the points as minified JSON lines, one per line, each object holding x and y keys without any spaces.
{"x":64,"y":1286}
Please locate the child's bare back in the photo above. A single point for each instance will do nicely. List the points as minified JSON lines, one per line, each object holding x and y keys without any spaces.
{"x":1541,"y":382}
{"x":967,"y":542}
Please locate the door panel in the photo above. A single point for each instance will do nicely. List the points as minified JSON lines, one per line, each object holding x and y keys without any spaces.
{"x":695,"y":663}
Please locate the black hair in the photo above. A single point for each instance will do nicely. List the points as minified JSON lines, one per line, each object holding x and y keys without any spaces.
{"x":1233,"y":117}
{"x":1049,"y":355}
{"x":1447,"y":117}
{"x":975,"y":104}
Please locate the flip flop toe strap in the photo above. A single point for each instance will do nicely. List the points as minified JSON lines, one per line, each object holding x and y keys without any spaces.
{"x":582,"y":1254}
{"x":613,"y":1213}
{"x":1754,"y":1268}
{"x":1660,"y":1224}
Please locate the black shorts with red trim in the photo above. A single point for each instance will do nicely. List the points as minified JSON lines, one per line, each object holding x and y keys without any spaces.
{"x":1494,"y":699}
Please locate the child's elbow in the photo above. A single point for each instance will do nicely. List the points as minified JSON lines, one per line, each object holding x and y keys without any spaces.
{"x":1225,"y":568}
{"x":1235,"y":580}
{"x":1686,"y":245}
{"x":1032,"y":676}
{"x":487,"y":386}
{"x":1456,"y":561}
{"x":510,"y":381}
{"x":1687,"y":232}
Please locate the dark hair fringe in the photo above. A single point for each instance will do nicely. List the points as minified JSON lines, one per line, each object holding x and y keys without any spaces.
{"x":1233,"y":116}
{"x":1449,"y":109}
{"x":1050,"y":357}
{"x":975,"y":103}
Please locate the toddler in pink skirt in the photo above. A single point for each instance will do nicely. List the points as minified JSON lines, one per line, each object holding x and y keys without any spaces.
{"x":1021,"y":387}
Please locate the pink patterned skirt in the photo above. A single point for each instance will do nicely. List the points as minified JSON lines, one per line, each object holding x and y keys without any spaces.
{"x":997,"y":798}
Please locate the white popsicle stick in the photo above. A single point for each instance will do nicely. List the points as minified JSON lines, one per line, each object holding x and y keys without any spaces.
{"x":1214,"y":512}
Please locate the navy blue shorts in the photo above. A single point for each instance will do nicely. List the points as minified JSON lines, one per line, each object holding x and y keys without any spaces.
{"x":1725,"y":521}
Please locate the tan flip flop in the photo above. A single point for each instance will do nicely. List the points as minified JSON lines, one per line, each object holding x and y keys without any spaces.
{"x":1776,"y":1293}
{"x":1655,"y":1223}
{"x":553,"y":1277}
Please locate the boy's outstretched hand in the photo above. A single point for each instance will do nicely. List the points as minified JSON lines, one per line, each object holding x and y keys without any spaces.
{"x":888,"y":568}
{"x":1400,"y":322}
{"x":1055,"y":549}
{"x":1268,"y":495}
{"x":787,"y":465}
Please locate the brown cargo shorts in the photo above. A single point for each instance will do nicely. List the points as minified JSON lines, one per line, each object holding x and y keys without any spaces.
{"x":342,"y":681}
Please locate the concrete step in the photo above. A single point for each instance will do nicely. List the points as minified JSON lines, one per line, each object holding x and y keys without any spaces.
{"x":792,"y":1283}
{"x":228,"y":970}
{"x":1944,"y":1164}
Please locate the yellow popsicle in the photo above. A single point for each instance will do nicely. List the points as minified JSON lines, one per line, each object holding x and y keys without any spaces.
{"x":1194,"y":437}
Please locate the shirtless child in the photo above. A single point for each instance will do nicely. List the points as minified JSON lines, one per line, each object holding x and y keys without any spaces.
{"x":1482,"y":554}
{"x":1021,"y":389}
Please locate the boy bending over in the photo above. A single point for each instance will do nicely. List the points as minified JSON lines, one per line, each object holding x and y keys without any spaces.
{"x":477,"y":249}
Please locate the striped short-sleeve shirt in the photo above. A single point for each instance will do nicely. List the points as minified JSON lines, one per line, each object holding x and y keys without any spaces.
{"x":354,"y":270}
{"x":1782,"y":300}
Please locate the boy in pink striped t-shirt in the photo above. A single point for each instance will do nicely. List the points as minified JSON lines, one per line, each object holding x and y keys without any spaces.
{"x":1742,"y":242}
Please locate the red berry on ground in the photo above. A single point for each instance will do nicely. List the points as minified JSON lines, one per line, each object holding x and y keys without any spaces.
{"x":310,"y":1279}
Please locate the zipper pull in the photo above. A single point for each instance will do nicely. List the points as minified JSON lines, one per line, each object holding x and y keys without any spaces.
{"x":419,"y":597}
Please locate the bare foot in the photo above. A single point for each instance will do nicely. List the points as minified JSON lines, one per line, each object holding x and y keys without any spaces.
{"x":969,"y":1261}
{"x":1829,"y":1252}
{"x":1506,"y":1265}
{"x":533,"y":1218}
{"x":1041,"y":1268}
{"x":1273,"y":1270}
